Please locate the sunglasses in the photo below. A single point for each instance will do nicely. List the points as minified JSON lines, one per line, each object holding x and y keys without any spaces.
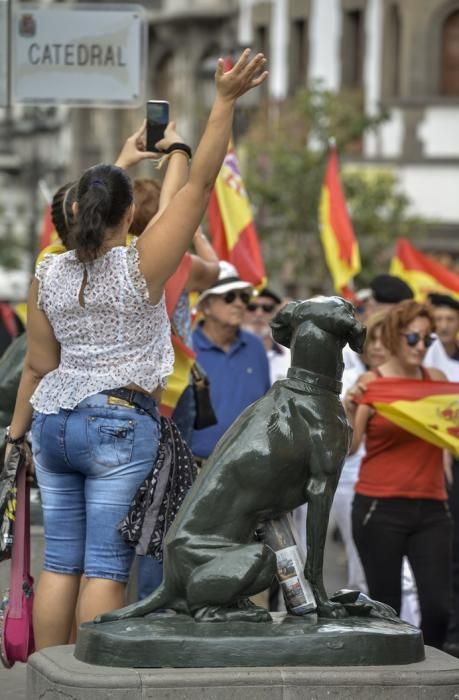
{"x":267,"y":308}
{"x":413,"y":339}
{"x":230,"y":297}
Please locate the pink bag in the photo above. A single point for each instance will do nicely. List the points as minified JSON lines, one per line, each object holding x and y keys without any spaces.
{"x":16,"y":642}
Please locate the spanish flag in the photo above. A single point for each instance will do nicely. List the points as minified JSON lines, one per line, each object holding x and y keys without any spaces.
{"x":231,"y":225}
{"x":178,"y":381}
{"x":421,"y":273}
{"x":336,"y":233}
{"x":427,"y":409}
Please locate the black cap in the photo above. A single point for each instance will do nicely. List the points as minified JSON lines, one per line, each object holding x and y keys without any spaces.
{"x":388,"y":289}
{"x":443,"y":300}
{"x":267,"y":292}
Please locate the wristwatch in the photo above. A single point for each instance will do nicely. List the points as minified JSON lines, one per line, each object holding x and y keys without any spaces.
{"x":13,"y":441}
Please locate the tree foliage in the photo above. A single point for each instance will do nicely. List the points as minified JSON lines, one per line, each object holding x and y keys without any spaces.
{"x":284,"y":155}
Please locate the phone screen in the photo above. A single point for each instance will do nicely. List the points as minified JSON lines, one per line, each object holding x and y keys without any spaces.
{"x":157,"y":120}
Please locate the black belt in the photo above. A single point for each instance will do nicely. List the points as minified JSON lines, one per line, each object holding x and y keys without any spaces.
{"x":137,"y":399}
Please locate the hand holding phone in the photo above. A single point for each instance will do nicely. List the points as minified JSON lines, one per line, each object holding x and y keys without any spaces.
{"x":157,"y":120}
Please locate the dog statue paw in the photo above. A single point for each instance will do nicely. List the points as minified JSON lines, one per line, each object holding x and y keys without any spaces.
{"x":329,"y":609}
{"x":361,"y":605}
{"x":243,"y":611}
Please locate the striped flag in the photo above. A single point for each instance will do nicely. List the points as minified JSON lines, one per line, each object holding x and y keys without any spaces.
{"x":178,"y":381}
{"x":336,"y":233}
{"x":421,"y":273}
{"x":233,"y":232}
{"x":231,"y":225}
{"x":427,"y":409}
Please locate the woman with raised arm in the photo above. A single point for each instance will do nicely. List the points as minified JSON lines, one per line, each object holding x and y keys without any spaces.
{"x":99,"y":353}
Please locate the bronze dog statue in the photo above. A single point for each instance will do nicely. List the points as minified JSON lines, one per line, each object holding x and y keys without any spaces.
{"x":284,"y":450}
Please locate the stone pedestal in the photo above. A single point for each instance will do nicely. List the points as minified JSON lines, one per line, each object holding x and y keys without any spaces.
{"x":167,"y":639}
{"x":54,"y":674}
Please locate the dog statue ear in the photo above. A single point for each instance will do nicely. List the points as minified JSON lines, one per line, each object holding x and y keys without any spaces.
{"x":281,"y":324}
{"x":356,"y":337}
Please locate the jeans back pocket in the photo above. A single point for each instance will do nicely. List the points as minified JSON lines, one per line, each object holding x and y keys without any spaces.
{"x":110,"y":440}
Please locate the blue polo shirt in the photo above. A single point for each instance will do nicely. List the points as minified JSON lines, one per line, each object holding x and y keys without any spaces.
{"x":237,"y":378}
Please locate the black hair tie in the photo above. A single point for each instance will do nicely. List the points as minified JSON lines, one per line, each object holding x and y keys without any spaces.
{"x":178,"y":147}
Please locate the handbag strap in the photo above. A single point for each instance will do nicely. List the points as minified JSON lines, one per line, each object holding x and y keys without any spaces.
{"x":20,"y":555}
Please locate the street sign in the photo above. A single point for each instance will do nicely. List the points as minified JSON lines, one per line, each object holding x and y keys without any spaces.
{"x":4,"y":57}
{"x":80,"y":55}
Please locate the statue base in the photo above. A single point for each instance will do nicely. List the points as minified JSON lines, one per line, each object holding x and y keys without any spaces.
{"x":55,"y":673}
{"x":167,"y":639}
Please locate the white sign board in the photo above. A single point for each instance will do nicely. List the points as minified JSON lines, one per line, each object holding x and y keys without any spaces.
{"x":4,"y":57}
{"x":82,"y":54}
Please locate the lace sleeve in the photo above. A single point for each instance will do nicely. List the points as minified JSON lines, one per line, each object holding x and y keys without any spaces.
{"x":136,"y":277}
{"x":40,"y":274}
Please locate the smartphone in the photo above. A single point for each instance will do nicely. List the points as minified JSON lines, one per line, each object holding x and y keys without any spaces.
{"x":157,"y":120}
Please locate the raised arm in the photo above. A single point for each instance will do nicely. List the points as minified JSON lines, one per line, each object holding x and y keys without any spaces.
{"x":204,"y":266}
{"x":177,"y":171}
{"x":164,"y":242}
{"x":133,"y":150}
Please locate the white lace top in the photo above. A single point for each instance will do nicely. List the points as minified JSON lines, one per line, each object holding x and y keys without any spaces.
{"x":117,"y":338}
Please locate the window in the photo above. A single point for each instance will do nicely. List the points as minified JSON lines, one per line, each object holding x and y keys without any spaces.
{"x":261,"y":38}
{"x":392,"y":48}
{"x":450,"y":56}
{"x":299,"y":53}
{"x":352,"y":50}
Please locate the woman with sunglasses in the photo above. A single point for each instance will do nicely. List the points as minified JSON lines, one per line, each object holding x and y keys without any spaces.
{"x":400,"y":506}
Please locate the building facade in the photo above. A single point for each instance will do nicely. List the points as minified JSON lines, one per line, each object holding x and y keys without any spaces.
{"x":403,"y":55}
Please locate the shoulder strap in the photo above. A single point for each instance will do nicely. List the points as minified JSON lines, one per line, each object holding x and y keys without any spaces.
{"x":20,"y":556}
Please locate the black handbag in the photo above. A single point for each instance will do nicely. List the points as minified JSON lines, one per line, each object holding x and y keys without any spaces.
{"x":205,"y":414}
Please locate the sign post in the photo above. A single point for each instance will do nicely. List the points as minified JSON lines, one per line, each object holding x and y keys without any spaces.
{"x":4,"y":53}
{"x":79,"y":55}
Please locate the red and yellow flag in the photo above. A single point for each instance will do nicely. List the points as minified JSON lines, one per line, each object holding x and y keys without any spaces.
{"x":336,"y":233}
{"x":178,"y":381}
{"x":231,"y":225}
{"x":427,"y":409}
{"x":422,"y":273}
{"x":233,"y":232}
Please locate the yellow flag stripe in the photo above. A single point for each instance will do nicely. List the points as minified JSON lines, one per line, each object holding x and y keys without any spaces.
{"x":234,"y":208}
{"x":178,"y":381}
{"x":340,"y":271}
{"x":420,"y":282}
{"x":423,"y":418}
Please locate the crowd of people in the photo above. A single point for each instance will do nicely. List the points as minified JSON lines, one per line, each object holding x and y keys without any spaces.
{"x":105,"y":308}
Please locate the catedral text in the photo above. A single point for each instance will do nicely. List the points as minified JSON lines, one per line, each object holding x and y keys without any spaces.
{"x":75,"y":55}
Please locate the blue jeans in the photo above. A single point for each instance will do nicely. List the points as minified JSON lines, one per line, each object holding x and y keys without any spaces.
{"x":89,"y":462}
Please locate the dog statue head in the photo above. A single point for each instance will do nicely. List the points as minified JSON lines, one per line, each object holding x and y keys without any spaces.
{"x":333,"y":315}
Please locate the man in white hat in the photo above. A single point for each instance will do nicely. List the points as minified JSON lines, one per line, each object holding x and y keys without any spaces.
{"x":234,"y":360}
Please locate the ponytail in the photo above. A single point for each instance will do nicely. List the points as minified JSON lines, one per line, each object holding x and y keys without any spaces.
{"x":104,"y":192}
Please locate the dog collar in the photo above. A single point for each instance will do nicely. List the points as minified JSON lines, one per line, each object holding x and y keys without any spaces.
{"x":320,"y":380}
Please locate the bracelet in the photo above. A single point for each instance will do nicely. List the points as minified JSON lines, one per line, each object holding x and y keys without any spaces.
{"x":179,"y":147}
{"x":13,"y":441}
